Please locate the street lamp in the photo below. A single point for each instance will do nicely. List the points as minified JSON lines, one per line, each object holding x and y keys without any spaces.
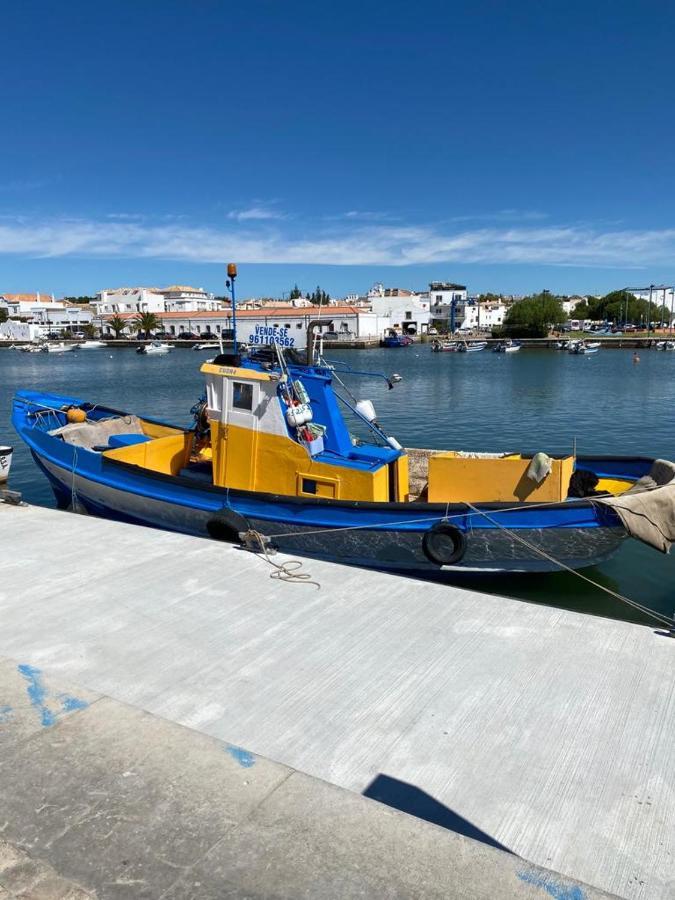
{"x":231,"y":276}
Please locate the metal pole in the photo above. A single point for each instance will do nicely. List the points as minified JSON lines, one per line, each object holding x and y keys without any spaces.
{"x":231,"y":275}
{"x":649,"y":313}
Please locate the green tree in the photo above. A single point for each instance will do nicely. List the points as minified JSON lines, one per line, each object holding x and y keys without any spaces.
{"x":146,"y":323}
{"x":622,"y":306}
{"x":296,"y":293}
{"x":319,"y":297}
{"x":118,"y":324}
{"x":89,"y":330}
{"x":534,"y":316}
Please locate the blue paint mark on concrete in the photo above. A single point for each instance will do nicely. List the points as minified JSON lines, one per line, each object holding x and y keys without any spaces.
{"x":5,"y":714}
{"x":37,"y":694}
{"x":70,"y":704}
{"x":243,"y":757}
{"x":559,"y":890}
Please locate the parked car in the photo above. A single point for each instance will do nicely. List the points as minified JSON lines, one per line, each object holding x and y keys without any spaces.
{"x":187,"y":336}
{"x":330,"y":336}
{"x":79,"y":335}
{"x":432,"y":330}
{"x":162,"y":335}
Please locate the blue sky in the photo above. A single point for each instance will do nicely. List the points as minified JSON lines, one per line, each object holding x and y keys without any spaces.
{"x":510,"y":146}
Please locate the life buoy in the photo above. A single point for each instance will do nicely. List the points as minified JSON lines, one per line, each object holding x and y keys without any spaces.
{"x":226,"y":525}
{"x":444,"y":544}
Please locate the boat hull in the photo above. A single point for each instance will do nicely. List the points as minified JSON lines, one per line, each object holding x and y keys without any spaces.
{"x":488,"y":549}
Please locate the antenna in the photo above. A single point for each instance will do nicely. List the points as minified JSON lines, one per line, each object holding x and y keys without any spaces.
{"x":231,"y":275}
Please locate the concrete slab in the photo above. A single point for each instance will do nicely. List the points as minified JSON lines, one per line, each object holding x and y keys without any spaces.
{"x":112,"y":802}
{"x":546,"y":731}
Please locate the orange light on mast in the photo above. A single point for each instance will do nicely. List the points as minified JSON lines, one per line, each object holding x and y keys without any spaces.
{"x":231,"y":270}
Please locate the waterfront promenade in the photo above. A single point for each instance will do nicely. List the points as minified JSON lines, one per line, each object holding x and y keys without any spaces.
{"x":542,"y":732}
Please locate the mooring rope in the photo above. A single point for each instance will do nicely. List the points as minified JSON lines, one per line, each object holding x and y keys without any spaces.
{"x":662,"y":620}
{"x":289,"y":571}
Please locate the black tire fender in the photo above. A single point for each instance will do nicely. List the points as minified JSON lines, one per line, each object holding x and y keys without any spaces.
{"x":444,"y":544}
{"x":226,"y":524}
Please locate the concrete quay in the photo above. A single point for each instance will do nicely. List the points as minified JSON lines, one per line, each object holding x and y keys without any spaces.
{"x":101,"y":800}
{"x":516,"y":727}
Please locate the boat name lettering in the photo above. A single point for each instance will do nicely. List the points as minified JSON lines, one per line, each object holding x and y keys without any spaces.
{"x":271,"y":334}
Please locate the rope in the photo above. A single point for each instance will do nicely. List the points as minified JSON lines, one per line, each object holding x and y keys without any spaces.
{"x":288,"y":571}
{"x":662,"y":620}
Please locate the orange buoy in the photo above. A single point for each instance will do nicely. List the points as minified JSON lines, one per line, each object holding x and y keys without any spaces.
{"x":75,"y":414}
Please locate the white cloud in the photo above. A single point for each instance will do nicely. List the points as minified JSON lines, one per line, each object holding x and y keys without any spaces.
{"x":357,"y":244}
{"x":125,"y":216}
{"x":257,"y":212}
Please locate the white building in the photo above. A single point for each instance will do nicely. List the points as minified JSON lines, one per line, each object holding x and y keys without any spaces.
{"x":342,"y":321}
{"x":175,"y":298}
{"x":183,"y":298}
{"x":470,"y":315}
{"x":442,"y":296}
{"x":129,"y":300}
{"x":13,"y":330}
{"x":43,"y":309}
{"x":407,"y":311}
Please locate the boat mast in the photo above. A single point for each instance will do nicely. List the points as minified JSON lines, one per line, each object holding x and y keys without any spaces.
{"x":231,"y":275}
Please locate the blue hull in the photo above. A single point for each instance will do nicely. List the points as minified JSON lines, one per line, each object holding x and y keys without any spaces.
{"x":377,"y":535}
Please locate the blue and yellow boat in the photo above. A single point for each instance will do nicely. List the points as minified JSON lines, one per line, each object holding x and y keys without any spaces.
{"x":272,"y":453}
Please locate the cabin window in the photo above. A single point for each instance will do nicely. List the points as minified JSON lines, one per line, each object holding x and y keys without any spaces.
{"x":242,"y":395}
{"x":308,"y":486}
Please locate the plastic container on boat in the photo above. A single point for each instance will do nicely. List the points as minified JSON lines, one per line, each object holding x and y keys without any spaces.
{"x":5,"y":462}
{"x":313,"y":447}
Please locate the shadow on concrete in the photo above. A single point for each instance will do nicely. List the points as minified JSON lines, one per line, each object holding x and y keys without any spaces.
{"x":410,"y":799}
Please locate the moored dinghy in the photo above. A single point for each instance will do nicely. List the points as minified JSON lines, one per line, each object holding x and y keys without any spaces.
{"x":155,"y":348}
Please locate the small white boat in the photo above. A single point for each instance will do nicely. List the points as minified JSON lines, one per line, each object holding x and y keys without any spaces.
{"x":475,"y":347}
{"x":92,"y":345}
{"x":508,"y":346}
{"x":444,"y":346}
{"x":583,"y":348}
{"x":59,"y":347}
{"x":31,"y":348}
{"x":209,"y":345}
{"x":665,"y":345}
{"x":5,"y":462}
{"x":155,"y":348}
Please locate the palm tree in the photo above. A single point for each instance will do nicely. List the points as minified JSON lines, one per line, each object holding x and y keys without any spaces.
{"x":117,"y":324}
{"x":146,"y":322}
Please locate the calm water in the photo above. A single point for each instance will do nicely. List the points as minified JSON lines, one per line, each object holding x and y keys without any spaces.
{"x":532,"y":400}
